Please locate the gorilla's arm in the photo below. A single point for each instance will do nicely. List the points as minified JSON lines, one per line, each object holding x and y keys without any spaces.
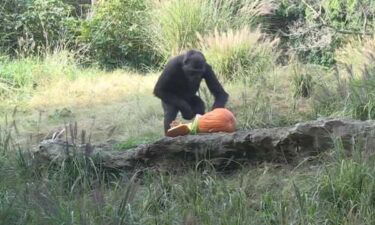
{"x":221,"y":97}
{"x":163,"y":92}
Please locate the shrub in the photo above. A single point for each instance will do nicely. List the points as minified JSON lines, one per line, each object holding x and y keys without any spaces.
{"x":10,"y":11}
{"x":349,"y":14}
{"x":338,"y":18}
{"x":31,"y":27}
{"x":239,"y":53}
{"x":116,"y":34}
{"x":313,"y":43}
{"x":239,"y":13}
{"x":325,"y":101}
{"x":314,"y":29}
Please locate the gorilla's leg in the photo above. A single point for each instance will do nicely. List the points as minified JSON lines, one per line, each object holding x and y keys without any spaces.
{"x":170,"y":114}
{"x":197,"y":105}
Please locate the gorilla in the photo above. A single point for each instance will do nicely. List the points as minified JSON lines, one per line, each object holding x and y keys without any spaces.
{"x":179,"y":82}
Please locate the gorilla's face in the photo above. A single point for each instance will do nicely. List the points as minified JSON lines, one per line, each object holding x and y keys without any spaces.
{"x":194,"y":65}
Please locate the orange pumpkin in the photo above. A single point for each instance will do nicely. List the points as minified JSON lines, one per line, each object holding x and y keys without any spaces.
{"x":218,"y":120}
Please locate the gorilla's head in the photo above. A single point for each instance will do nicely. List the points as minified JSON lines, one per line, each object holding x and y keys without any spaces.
{"x":194,"y":63}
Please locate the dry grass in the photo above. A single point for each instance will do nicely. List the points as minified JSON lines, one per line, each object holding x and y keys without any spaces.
{"x":117,"y":105}
{"x":241,"y":53}
{"x":88,"y":91}
{"x":252,"y":10}
{"x":225,"y":41}
{"x":356,"y":55}
{"x":134,"y":117}
{"x":120,"y":105}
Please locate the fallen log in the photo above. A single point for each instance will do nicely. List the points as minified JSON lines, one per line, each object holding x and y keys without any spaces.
{"x":282,"y":145}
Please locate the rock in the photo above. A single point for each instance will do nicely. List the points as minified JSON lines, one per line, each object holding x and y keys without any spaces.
{"x":283,"y":145}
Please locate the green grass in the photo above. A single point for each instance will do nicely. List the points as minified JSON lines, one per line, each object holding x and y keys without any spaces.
{"x":133,"y":142}
{"x":176,"y":23}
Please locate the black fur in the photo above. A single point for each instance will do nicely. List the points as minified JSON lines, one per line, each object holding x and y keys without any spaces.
{"x":179,"y":82}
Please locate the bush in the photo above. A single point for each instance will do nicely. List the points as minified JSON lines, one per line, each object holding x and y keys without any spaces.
{"x":117,"y":35}
{"x":10,"y":11}
{"x":240,"y":53}
{"x":31,"y":27}
{"x":356,"y":54}
{"x":339,"y":18}
{"x":350,"y":14}
{"x":313,"y":43}
{"x":315,"y":29}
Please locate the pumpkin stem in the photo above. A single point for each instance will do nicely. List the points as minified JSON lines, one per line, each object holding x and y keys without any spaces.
{"x":194,"y":125}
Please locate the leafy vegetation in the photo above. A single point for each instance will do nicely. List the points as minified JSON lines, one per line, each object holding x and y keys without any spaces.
{"x":116,"y":34}
{"x":36,"y":27}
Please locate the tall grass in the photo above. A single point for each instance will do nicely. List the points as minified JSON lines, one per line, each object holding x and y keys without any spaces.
{"x":237,"y":54}
{"x":356,"y":54}
{"x":58,"y":80}
{"x":26,"y":73}
{"x":350,"y":87}
{"x":20,"y":78}
{"x":176,"y":23}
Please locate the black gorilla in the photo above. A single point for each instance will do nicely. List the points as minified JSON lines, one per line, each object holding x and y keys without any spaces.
{"x":179,"y":82}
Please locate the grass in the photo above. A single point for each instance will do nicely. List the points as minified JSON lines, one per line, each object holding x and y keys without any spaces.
{"x":133,"y":142}
{"x":57,"y":80}
{"x":239,"y":54}
{"x":174,"y":35}
{"x":347,"y":89}
{"x":118,"y":105}
{"x":337,"y":190}
{"x":98,"y":89}
{"x":331,"y":189}
{"x":39,"y":96}
{"x":177,"y":24}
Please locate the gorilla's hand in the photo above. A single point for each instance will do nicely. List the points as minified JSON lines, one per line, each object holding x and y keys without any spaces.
{"x":187,"y":113}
